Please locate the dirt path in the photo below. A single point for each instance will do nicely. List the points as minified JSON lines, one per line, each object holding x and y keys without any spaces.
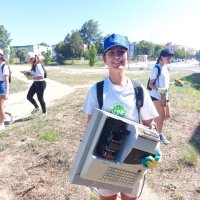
{"x":19,"y":106}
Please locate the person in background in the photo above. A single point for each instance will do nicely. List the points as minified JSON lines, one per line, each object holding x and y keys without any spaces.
{"x":4,"y":88}
{"x":160,"y":88}
{"x":118,"y":93}
{"x":39,"y":84}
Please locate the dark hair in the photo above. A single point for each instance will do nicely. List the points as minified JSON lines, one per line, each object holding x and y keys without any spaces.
{"x":3,"y":59}
{"x":35,"y":62}
{"x":158,"y":60}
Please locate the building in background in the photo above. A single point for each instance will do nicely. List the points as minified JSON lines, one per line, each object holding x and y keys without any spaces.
{"x":173,"y":47}
{"x":33,"y":48}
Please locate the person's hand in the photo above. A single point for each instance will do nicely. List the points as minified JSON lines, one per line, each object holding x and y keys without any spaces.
{"x":178,"y":83}
{"x":151,"y":162}
{"x":26,"y":73}
{"x":162,"y":91}
{"x":29,"y":77}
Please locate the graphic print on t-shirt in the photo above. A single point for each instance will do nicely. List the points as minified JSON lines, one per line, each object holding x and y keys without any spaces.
{"x":119,"y":110}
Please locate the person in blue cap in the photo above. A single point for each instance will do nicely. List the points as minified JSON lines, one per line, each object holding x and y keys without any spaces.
{"x":159,"y":83}
{"x":119,"y":99}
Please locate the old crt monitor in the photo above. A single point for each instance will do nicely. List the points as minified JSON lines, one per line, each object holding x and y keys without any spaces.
{"x":110,"y":152}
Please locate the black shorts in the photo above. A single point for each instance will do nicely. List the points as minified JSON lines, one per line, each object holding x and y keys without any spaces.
{"x":154,"y":99}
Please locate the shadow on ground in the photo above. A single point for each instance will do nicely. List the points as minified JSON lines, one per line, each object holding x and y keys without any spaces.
{"x":7,"y":122}
{"x":194,"y":79}
{"x":195,"y":139}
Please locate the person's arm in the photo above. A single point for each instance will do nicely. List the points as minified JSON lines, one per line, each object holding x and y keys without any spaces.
{"x":89,"y":118}
{"x":151,"y":84}
{"x":148,"y":122}
{"x":7,"y":86}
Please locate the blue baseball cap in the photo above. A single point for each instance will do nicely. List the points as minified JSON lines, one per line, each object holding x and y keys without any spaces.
{"x":166,"y":53}
{"x":115,"y":40}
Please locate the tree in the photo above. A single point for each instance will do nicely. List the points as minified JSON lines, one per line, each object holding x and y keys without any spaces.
{"x":12,"y":55}
{"x":4,"y":38}
{"x":179,"y":53}
{"x":145,"y":48}
{"x":22,"y":54}
{"x":60,"y":48}
{"x":44,"y":44}
{"x":92,"y":55}
{"x":91,"y":34}
{"x":47,"y":57}
{"x":74,"y":45}
{"x":157,"y":50}
{"x":85,"y":54}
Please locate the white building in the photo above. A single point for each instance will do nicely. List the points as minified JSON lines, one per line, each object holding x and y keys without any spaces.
{"x":33,"y":48}
{"x":173,"y":47}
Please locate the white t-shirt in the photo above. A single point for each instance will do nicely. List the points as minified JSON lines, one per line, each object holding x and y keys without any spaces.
{"x":120,"y":101}
{"x":163,"y":80}
{"x":5,"y":71}
{"x":38,"y":71}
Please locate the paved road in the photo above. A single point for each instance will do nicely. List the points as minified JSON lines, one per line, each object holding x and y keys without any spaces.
{"x":190,"y":65}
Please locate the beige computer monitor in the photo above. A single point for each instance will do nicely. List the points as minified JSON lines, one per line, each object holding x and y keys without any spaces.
{"x":121,"y":171}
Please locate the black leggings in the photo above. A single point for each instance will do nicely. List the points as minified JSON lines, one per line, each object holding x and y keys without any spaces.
{"x":37,"y":87}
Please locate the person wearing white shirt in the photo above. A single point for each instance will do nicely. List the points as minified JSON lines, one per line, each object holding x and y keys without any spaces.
{"x":39,"y":84}
{"x":4,"y":87}
{"x":119,"y":98}
{"x":159,"y":83}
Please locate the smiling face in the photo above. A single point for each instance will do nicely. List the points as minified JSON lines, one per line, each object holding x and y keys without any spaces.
{"x":116,"y":58}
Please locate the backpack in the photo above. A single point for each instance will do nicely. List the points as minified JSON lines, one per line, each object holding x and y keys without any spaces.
{"x":156,"y":77}
{"x":139,"y":93}
{"x":45,"y":71}
{"x":9,"y":76}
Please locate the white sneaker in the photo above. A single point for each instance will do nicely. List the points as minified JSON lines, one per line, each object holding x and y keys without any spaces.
{"x":12,"y":119}
{"x":2,"y":127}
{"x":164,"y":140}
{"x":43,"y":115}
{"x":35,"y":110}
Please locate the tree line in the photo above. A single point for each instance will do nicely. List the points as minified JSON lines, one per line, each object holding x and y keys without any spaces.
{"x":86,"y":43}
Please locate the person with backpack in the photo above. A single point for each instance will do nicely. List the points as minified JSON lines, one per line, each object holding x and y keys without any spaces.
{"x":118,"y":96}
{"x":37,"y":74}
{"x":4,"y":88}
{"x":159,"y":85}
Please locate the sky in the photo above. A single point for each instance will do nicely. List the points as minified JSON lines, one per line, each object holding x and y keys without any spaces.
{"x":157,"y":21}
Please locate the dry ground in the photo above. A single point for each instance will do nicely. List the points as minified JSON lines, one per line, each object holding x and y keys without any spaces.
{"x":31,"y":168}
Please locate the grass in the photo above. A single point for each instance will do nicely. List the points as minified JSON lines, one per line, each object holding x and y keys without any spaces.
{"x":177,"y":197}
{"x":189,"y":155}
{"x":2,"y":147}
{"x":48,"y":136}
{"x":17,"y":85}
{"x":65,"y":77}
{"x":41,"y":137}
{"x":187,"y":96}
